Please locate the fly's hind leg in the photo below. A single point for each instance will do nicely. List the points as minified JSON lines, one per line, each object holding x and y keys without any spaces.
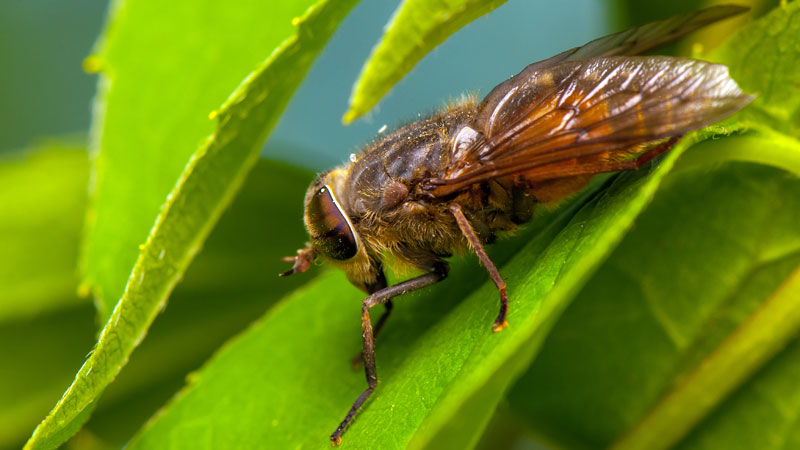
{"x":652,"y":153}
{"x":381,"y":296}
{"x":500,"y":322}
{"x":605,"y":166}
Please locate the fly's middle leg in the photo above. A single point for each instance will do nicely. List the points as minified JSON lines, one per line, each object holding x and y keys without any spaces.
{"x":500,"y":322}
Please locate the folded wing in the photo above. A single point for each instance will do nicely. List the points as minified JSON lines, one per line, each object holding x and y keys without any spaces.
{"x":575,"y":110}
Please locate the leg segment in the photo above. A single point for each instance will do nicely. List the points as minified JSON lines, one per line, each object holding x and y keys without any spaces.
{"x":472,"y":237}
{"x":382,"y":296}
{"x":371,"y":288}
{"x":359,"y":357}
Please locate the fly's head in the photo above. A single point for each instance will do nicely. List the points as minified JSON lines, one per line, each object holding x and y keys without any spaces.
{"x":333,"y":236}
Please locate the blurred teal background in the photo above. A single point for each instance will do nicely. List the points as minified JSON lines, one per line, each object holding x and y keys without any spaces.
{"x":46,"y":93}
{"x":43,"y":90}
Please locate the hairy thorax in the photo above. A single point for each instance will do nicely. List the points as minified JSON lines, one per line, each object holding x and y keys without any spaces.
{"x":380,"y":190}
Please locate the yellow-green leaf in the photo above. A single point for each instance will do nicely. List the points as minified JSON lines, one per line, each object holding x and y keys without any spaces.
{"x":418,"y":26}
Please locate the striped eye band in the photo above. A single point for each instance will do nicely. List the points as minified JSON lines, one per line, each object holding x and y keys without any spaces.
{"x":329,"y":226}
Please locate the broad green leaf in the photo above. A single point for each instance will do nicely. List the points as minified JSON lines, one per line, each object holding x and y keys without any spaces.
{"x":43,"y":196}
{"x":437,"y":354}
{"x":675,"y":310}
{"x":204,"y":189}
{"x":416,"y":28}
{"x":165,"y":67}
{"x":326,"y":351}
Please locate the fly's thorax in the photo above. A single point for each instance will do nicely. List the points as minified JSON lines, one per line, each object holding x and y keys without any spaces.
{"x":388,"y":171}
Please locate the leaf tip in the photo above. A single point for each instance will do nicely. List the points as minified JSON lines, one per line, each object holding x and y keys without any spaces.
{"x":351,"y":115}
{"x":92,"y":64}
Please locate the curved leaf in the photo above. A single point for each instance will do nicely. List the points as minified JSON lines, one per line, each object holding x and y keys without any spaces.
{"x":416,"y":28}
{"x":165,"y":67}
{"x":204,"y":189}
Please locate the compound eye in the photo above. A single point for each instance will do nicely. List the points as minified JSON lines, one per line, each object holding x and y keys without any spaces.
{"x":329,"y":227}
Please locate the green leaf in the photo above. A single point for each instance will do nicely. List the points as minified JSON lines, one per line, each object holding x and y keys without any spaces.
{"x":205,"y":187}
{"x":437,"y":355}
{"x":772,"y":148}
{"x":43,"y":194}
{"x":764,"y":58}
{"x":416,"y":28}
{"x":754,"y":341}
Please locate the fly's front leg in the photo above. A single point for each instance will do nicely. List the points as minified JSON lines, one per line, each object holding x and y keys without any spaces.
{"x":500,"y":322}
{"x":382,"y":296}
{"x":378,"y":327}
{"x":371,"y":288}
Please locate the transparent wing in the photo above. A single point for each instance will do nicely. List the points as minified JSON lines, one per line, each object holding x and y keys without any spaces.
{"x":576,"y":109}
{"x":635,"y":41}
